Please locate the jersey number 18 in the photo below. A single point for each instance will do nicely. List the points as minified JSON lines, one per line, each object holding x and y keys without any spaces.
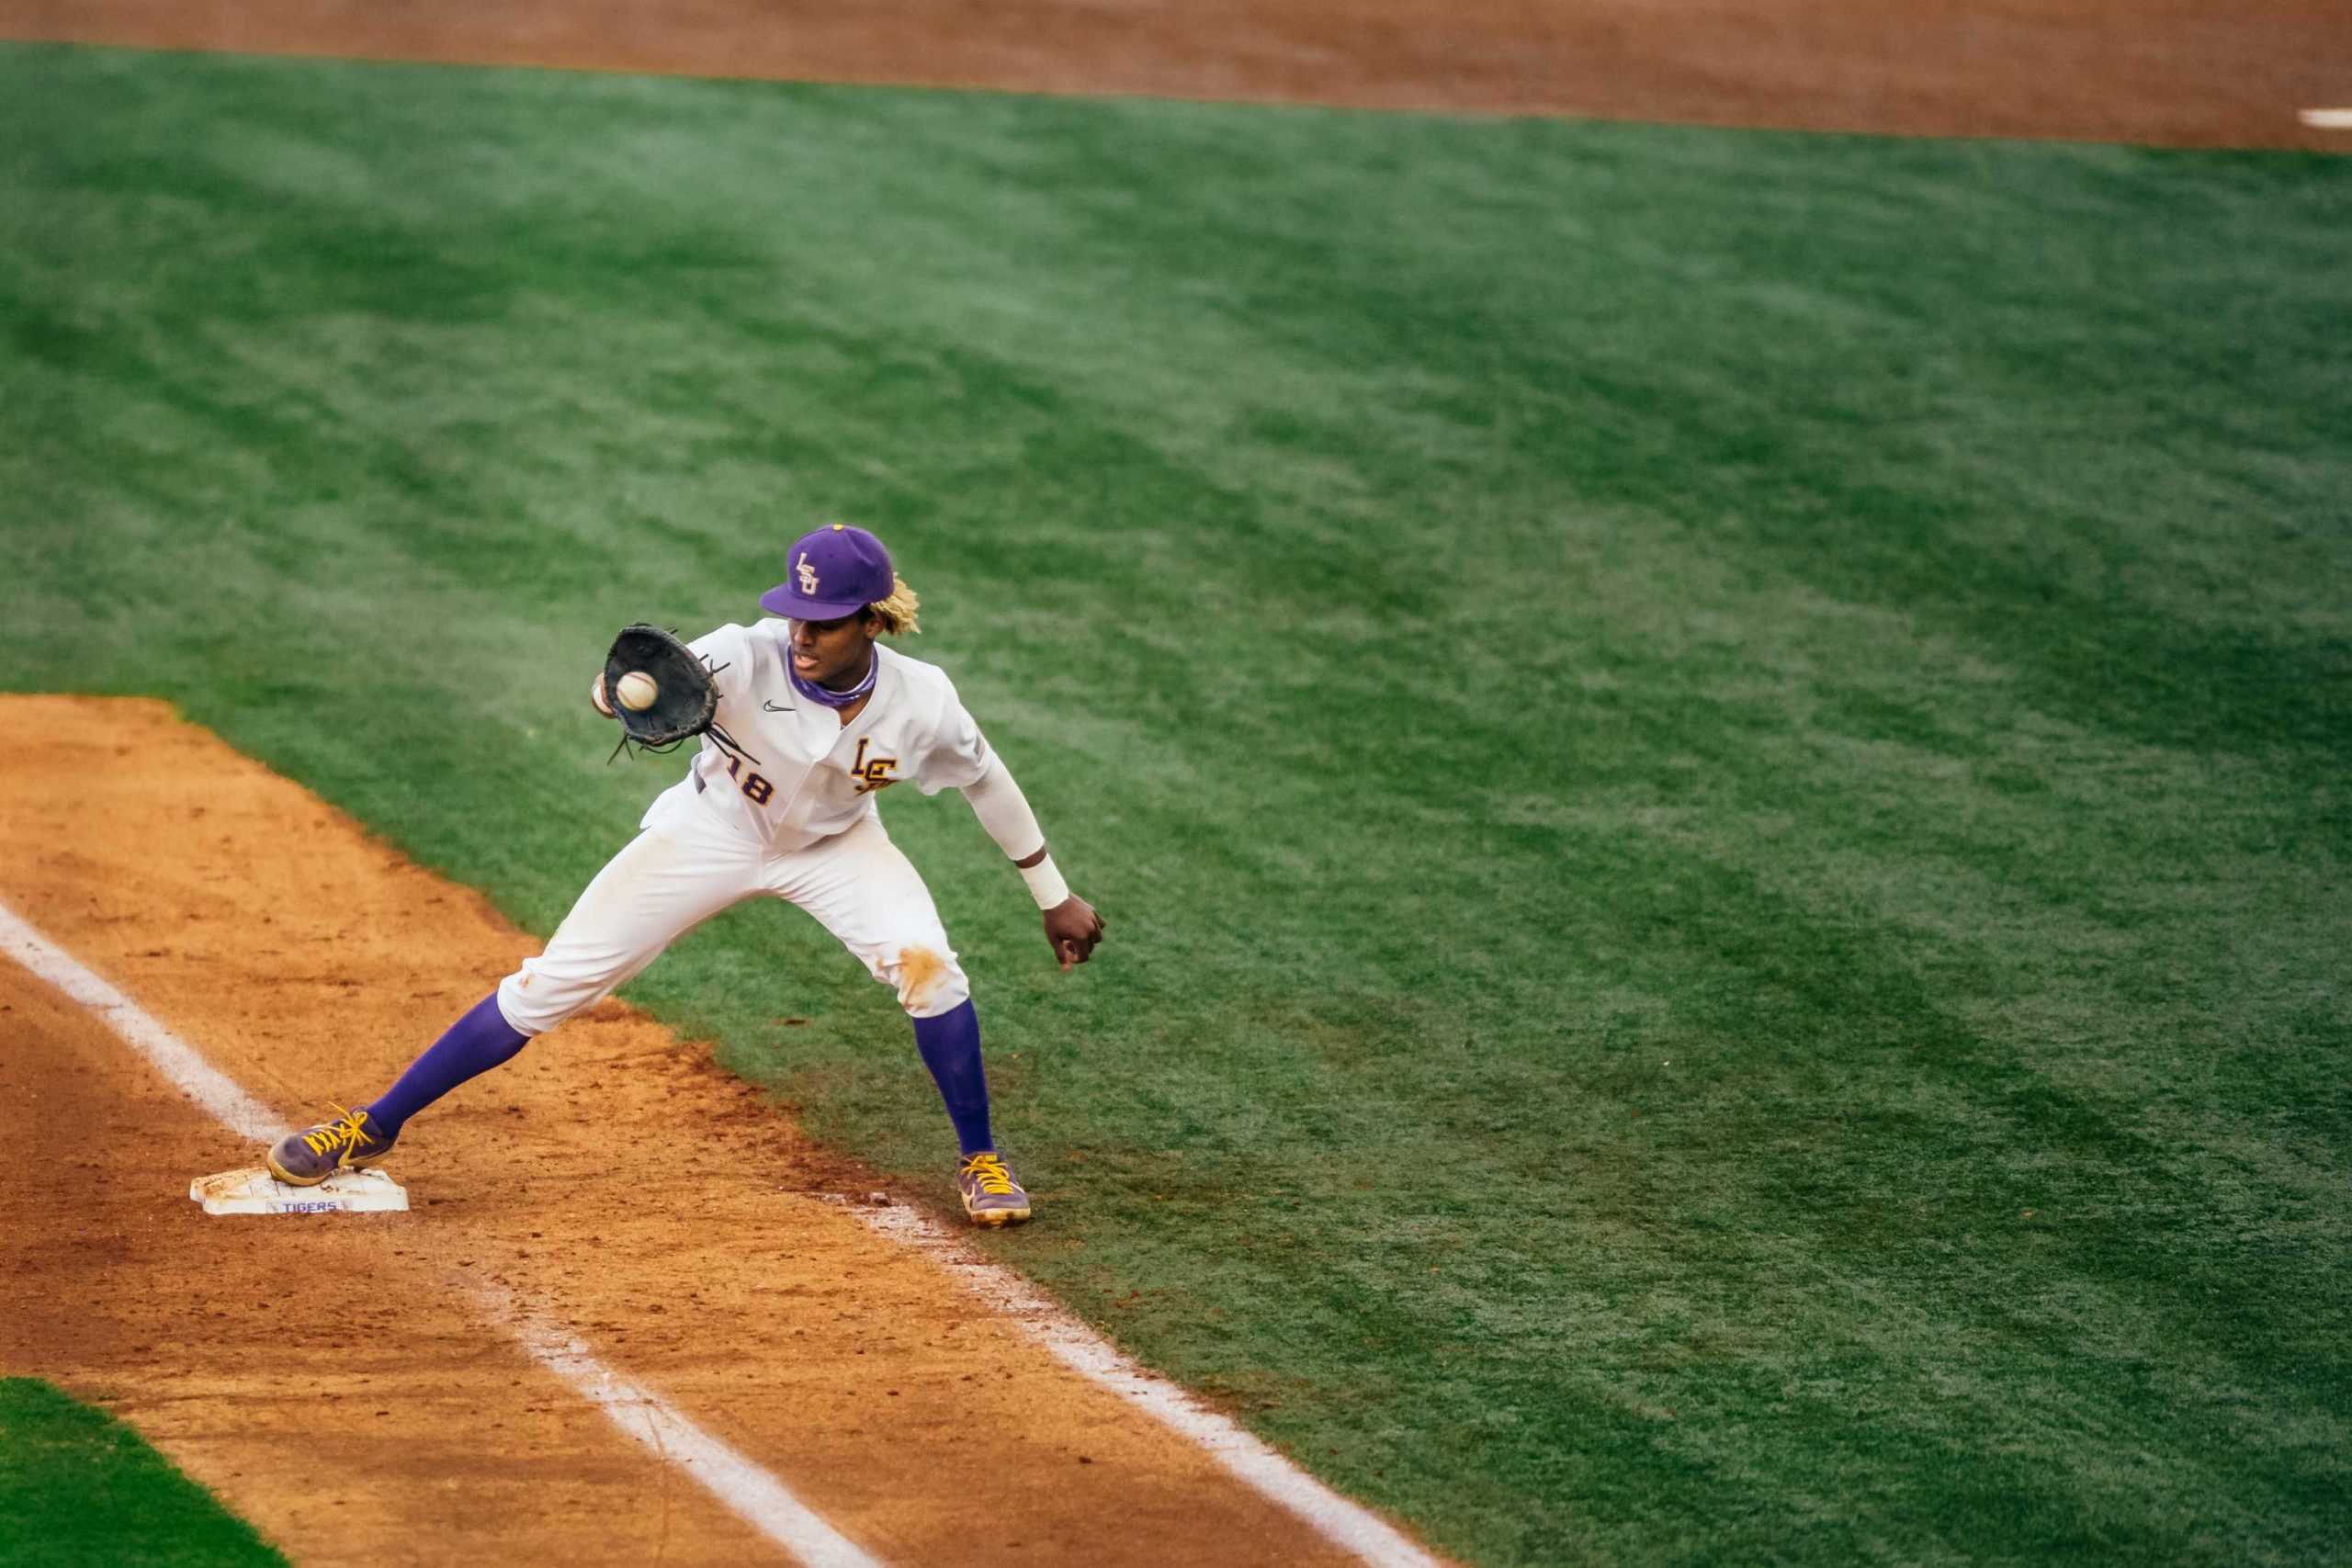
{"x":757,"y":789}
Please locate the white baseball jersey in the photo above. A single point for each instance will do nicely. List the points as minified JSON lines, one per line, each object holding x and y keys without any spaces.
{"x":792,"y":817}
{"x":803,"y":774}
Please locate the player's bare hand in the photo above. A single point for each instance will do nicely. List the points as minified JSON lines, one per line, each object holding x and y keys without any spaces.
{"x":1073,"y":928}
{"x":596,"y":694}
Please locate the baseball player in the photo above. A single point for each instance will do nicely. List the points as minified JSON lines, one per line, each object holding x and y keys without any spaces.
{"x":820,"y":718}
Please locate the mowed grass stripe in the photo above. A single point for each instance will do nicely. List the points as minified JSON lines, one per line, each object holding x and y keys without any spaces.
{"x":78,"y":1487}
{"x":1715,"y":760}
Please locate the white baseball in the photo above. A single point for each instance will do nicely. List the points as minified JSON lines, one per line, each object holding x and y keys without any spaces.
{"x":636,"y":691}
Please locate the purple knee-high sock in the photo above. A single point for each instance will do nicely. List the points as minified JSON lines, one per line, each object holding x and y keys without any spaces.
{"x":951,"y":1049}
{"x":475,"y":1044}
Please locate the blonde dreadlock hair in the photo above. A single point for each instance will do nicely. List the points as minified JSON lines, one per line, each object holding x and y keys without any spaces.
{"x":898,"y":611}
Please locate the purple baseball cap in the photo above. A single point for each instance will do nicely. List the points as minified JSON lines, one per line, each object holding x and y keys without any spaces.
{"x":836,"y":572}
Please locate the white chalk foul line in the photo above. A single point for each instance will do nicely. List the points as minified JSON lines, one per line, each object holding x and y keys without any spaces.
{"x":1345,"y":1524}
{"x":763,"y":1501}
{"x":733,"y":1479}
{"x":2327,"y":120}
{"x":196,"y":1077}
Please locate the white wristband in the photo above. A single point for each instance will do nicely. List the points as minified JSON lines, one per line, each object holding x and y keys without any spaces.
{"x":1045,"y":883}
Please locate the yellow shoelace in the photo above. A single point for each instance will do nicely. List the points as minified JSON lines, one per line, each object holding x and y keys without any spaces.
{"x":989,"y":1172}
{"x":344,"y":1133}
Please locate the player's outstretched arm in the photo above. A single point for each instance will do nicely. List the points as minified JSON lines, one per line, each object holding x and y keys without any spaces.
{"x":1073,"y":928}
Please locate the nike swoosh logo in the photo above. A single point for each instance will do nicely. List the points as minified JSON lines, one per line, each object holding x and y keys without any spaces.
{"x":773,"y":708}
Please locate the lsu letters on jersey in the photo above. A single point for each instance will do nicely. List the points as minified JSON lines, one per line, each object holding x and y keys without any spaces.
{"x":803,"y":776}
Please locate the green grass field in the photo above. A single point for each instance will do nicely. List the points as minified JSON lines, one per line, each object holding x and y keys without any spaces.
{"x":79,"y":1490}
{"x":1717,"y":762}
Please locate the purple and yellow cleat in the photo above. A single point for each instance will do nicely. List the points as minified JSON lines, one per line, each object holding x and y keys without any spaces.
{"x":991,"y":1195}
{"x":309,"y":1157}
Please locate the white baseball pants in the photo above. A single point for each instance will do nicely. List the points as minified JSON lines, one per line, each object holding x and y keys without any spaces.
{"x":678,"y":874}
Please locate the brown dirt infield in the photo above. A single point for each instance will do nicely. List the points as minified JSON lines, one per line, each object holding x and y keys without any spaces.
{"x":2173,"y":73}
{"x":333,"y":1379}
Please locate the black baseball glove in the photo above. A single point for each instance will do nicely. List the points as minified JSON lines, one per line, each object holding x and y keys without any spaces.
{"x":683,"y":702}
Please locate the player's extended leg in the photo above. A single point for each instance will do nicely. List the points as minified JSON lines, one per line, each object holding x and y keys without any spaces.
{"x":863,"y":890}
{"x":664,"y":881}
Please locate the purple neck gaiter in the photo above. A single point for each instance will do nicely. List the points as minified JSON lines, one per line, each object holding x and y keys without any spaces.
{"x":832,"y":699}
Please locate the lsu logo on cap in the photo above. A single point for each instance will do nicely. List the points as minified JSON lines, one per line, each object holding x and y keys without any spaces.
{"x":807,"y":575}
